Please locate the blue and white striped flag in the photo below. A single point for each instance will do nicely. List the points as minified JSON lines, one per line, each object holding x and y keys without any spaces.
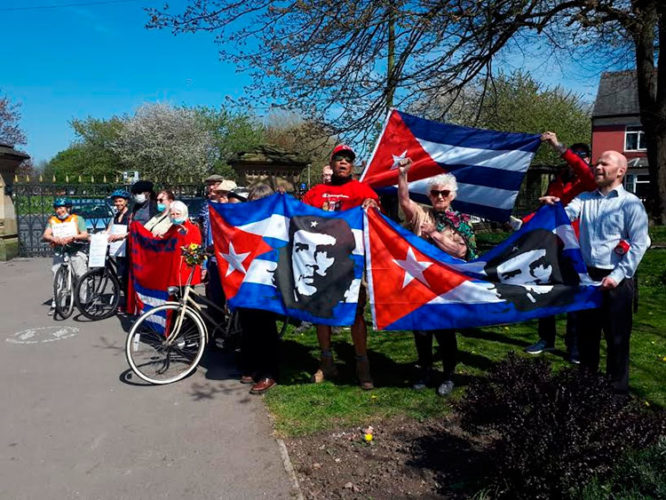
{"x":488,"y":165}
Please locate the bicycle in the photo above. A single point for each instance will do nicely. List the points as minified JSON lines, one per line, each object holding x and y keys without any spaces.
{"x":166,"y":343}
{"x":97,"y":292}
{"x":63,"y":288}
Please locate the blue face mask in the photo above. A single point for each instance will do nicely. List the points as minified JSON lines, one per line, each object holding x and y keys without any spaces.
{"x":161,"y":207}
{"x":177,"y":222}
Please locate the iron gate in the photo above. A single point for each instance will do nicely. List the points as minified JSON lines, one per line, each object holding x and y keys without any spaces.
{"x":33,"y":202}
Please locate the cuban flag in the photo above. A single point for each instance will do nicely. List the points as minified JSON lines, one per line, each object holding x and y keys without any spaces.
{"x":280,"y":255}
{"x":488,"y":165}
{"x":536,"y":272}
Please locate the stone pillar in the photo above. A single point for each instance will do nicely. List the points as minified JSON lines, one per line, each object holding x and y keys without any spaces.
{"x":10,"y":159}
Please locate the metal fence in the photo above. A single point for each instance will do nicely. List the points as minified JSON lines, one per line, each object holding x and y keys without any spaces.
{"x":33,"y":202}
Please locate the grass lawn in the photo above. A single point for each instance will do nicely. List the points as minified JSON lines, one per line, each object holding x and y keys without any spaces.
{"x":301,"y":408}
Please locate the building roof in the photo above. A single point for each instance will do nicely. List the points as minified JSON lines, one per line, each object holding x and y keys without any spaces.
{"x":617,"y":95}
{"x":7,"y":152}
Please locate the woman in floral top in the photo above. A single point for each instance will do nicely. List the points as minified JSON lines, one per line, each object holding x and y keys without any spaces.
{"x":452,"y":232}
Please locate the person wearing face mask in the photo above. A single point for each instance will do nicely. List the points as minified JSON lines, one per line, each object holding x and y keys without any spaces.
{"x":187,"y":233}
{"x":67,"y":234}
{"x":161,"y":223}
{"x":145,"y":207}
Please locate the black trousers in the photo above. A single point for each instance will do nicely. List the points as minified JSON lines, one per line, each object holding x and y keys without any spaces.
{"x":260,"y":344}
{"x":214,"y":292}
{"x":614,"y":317}
{"x":547,"y":331}
{"x":448,"y":349}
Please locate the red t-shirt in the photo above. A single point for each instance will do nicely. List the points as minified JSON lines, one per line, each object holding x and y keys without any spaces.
{"x":336,"y":198}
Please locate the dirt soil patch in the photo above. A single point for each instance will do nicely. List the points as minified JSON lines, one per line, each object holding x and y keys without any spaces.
{"x":404,"y":458}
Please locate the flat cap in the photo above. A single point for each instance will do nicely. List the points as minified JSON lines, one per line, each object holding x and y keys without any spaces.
{"x":226,"y":186}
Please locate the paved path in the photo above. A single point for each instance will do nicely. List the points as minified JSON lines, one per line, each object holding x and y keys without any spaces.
{"x":72,"y":425}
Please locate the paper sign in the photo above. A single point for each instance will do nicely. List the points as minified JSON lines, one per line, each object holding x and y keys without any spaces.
{"x":64,"y":229}
{"x":117,"y":248}
{"x":97,"y":253}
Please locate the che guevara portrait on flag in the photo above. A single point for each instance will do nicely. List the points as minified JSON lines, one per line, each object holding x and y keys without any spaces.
{"x":530,"y":272}
{"x":315,"y":269}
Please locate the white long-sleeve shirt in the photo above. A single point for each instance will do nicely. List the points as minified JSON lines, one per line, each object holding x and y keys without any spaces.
{"x":604,"y":221}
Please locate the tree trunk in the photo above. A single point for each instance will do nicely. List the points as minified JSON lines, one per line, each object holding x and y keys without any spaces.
{"x":651,"y":84}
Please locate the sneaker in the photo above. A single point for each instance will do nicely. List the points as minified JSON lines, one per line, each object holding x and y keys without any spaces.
{"x":51,"y":311}
{"x":539,"y":347}
{"x":574,"y":359}
{"x":423,"y":380}
{"x":445,"y":388}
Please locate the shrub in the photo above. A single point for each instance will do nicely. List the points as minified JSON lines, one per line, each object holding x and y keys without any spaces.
{"x":555,"y":431}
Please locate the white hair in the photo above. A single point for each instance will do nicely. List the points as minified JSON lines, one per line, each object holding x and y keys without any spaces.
{"x":179,"y":206}
{"x":448,"y":180}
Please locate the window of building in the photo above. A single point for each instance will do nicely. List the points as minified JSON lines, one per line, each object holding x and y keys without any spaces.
{"x":634,"y":139}
{"x":639,"y":184}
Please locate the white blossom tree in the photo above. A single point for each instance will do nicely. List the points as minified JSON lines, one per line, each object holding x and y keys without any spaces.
{"x":163,"y":143}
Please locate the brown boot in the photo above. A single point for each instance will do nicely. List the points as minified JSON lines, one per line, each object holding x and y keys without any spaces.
{"x":326,"y":371}
{"x":363,"y":373}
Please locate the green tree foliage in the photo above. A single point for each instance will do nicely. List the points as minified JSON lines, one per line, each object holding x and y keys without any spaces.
{"x":232,"y":132}
{"x":91,"y":154}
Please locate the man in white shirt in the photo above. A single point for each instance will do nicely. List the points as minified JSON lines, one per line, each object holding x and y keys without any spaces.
{"x":613,"y":240}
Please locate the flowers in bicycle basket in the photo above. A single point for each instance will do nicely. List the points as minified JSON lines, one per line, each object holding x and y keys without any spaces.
{"x":194,"y":254}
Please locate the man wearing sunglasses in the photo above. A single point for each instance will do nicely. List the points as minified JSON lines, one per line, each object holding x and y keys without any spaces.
{"x":574,"y":178}
{"x":343,"y":193}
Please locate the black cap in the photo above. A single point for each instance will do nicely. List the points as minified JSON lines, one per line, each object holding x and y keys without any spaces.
{"x":142,"y":187}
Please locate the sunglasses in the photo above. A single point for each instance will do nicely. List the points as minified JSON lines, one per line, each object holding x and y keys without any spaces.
{"x":581,"y":154}
{"x":444,"y":193}
{"x":342,"y":157}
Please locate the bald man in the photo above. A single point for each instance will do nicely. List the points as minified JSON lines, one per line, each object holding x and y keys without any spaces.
{"x":613,"y":240}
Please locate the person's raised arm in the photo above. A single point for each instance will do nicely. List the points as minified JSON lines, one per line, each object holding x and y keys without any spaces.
{"x":577,"y":164}
{"x":407,"y":205}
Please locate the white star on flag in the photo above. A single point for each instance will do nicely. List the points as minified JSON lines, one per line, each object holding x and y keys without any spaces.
{"x":413,"y":268}
{"x":235,"y":260}
{"x":398,"y":159}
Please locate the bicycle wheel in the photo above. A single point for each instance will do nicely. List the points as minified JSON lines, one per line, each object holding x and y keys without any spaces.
{"x":158,"y":360}
{"x":63,"y":294}
{"x":97,"y":294}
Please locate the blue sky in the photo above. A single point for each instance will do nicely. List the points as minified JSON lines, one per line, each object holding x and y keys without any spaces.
{"x":98,"y":60}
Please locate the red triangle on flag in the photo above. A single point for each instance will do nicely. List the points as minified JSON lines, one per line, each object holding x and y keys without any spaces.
{"x":398,"y":141}
{"x":406,"y":277}
{"x":235,"y":250}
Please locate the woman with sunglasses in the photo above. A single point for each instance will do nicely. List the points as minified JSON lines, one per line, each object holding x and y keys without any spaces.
{"x":452,"y":232}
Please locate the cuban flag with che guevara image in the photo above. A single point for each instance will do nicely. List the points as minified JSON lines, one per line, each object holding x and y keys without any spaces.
{"x":489,"y":165}
{"x":281,"y":255}
{"x":536,"y":272}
